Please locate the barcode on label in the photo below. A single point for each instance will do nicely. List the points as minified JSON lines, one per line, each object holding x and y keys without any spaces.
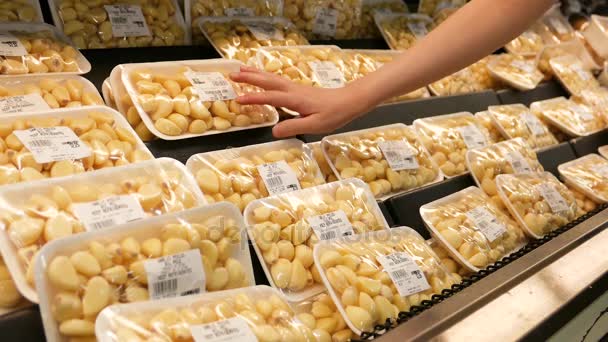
{"x":41,"y":143}
{"x":274,"y":181}
{"x":399,"y":274}
{"x":516,"y":164}
{"x":118,"y":20}
{"x":11,"y":43}
{"x":103,"y":224}
{"x":166,"y":286}
{"x":328,"y":235}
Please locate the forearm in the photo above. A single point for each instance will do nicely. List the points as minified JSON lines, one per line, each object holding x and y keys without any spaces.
{"x":473,"y":32}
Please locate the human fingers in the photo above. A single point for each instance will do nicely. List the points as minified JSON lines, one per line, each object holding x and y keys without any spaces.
{"x":273,"y":98}
{"x":312,"y":124}
{"x":262,"y":80}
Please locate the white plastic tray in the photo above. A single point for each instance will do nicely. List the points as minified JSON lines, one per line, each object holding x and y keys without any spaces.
{"x":555,"y":120}
{"x":596,"y":36}
{"x":219,"y":65}
{"x":562,"y":168}
{"x":303,"y":196}
{"x":423,"y":151}
{"x":108,"y":96}
{"x":603,"y":151}
{"x":380,"y":18}
{"x":83,"y":64}
{"x":140,"y":230}
{"x":17,"y":194}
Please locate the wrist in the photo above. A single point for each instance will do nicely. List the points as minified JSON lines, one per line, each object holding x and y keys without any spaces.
{"x":360,"y":96}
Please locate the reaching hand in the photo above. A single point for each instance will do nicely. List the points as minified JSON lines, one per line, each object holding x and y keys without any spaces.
{"x":321,"y":110}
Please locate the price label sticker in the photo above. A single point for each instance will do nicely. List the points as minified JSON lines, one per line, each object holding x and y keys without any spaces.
{"x":211,"y":86}
{"x":486,"y":223}
{"x":50,"y":144}
{"x":127,"y":21}
{"x":327,"y":75}
{"x":472,"y":136}
{"x":518,"y":162}
{"x":278,"y":177}
{"x":109,"y":212}
{"x":556,"y":202}
{"x":227,"y":330}
{"x":399,"y":154}
{"x":239,"y":12}
{"x":418,"y":28}
{"x":11,"y":45}
{"x":326,"y":22}
{"x":22,"y":103}
{"x":331,"y":225}
{"x":404,"y":272}
{"x":175,"y":275}
{"x":533,"y":123}
{"x":527,"y":68}
{"x":558,"y":25}
{"x":583,"y":112}
{"x":262,"y":30}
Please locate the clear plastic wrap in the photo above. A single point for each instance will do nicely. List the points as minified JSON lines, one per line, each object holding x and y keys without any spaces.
{"x":390,"y":159}
{"x":21,"y":10}
{"x":195,"y":9}
{"x":372,"y":277}
{"x":516,"y":71}
{"x":79,"y":276}
{"x":447,"y":260}
{"x":318,"y":65}
{"x":317,"y":152}
{"x":589,"y":175}
{"x":367,"y":27}
{"x":321,"y":315}
{"x":572,"y":74}
{"x":325,"y":19}
{"x":473,"y":230}
{"x":432,"y":7}
{"x":364,"y":62}
{"x":38,"y":48}
{"x":473,"y":78}
{"x":486,"y":121}
{"x":42,"y":93}
{"x":285,"y":228}
{"x":517,"y":121}
{"x":241,"y":175}
{"x":241,"y":37}
{"x":528,"y":44}
{"x":597,"y":98}
{"x":108,"y":94}
{"x":251,"y":314}
{"x":584,"y":203}
{"x":574,"y":119}
{"x":538,"y":201}
{"x":402,"y":30}
{"x":65,"y":142}
{"x":556,"y":27}
{"x":573,"y":47}
{"x":120,"y":23}
{"x":595,"y":34}
{"x":442,"y":15}
{"x":39,"y":212}
{"x":448,"y":137}
{"x":185,"y":99}
{"x":507,"y":157}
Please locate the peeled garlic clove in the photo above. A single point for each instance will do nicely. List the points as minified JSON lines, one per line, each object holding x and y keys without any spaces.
{"x":96,"y":296}
{"x":360,"y":318}
{"x":62,"y":274}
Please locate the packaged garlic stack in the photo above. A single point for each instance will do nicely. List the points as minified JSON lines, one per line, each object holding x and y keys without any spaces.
{"x":241,"y":37}
{"x":516,"y":121}
{"x":285,"y":228}
{"x":251,"y":314}
{"x":185,"y":99}
{"x":401,"y":30}
{"x":528,"y":44}
{"x":195,"y":9}
{"x":538,"y":201}
{"x":65,"y":142}
{"x":367,"y":27}
{"x":518,"y":72}
{"x":317,"y":65}
{"x":486,"y":121}
{"x":120,"y":24}
{"x":42,"y":93}
{"x":556,"y":28}
{"x":390,"y":159}
{"x":325,"y":19}
{"x":507,"y":157}
{"x":37,"y":49}
{"x":326,"y":171}
{"x":574,"y":119}
{"x":474,"y":230}
{"x":21,"y":10}
{"x":448,"y":262}
{"x":372,"y":277}
{"x":448,"y":137}
{"x":572,"y":74}
{"x":169,"y":256}
{"x":584,"y":203}
{"x":320,"y":314}
{"x":364,"y":62}
{"x":474,"y":78}
{"x":36,"y":213}
{"x":433,"y":7}
{"x":589,"y":175}
{"x":241,"y":175}
{"x":596,"y":98}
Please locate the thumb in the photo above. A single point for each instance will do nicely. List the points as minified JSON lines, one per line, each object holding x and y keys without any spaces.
{"x":300,"y":125}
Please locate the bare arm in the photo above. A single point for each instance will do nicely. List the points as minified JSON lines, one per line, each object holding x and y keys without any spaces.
{"x":473,"y":32}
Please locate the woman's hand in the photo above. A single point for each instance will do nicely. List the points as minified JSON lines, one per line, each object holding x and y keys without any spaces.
{"x":321,"y":110}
